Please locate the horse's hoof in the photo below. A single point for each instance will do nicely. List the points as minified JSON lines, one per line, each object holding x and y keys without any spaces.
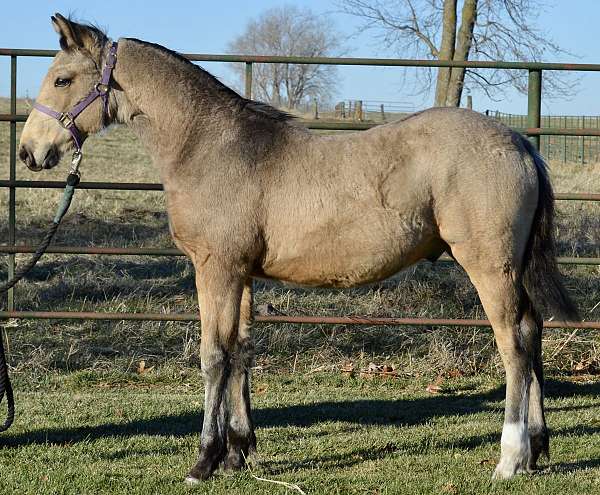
{"x":200,"y":472}
{"x":505,"y":471}
{"x":502,"y":474}
{"x":190,"y":480}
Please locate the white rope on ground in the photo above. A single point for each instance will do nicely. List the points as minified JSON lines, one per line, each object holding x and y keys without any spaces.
{"x":291,"y":486}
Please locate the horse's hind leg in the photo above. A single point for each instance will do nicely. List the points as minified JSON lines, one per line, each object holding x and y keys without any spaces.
{"x":504,"y":300}
{"x":219,"y":295}
{"x":538,"y":432}
{"x":241,"y":441}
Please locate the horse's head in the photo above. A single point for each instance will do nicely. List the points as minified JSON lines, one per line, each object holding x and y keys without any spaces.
{"x":74,"y":73}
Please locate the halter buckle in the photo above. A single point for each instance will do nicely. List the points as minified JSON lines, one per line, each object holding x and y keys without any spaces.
{"x":65,"y":120}
{"x":101,"y":88}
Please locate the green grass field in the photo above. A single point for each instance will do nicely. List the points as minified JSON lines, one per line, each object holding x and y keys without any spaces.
{"x":91,"y":419}
{"x":323,"y":432}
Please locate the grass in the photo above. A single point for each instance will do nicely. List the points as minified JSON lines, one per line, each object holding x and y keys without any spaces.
{"x":324,"y":432}
{"x":90,"y":422}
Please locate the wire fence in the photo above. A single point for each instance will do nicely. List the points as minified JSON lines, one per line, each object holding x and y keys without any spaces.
{"x":572,"y":149}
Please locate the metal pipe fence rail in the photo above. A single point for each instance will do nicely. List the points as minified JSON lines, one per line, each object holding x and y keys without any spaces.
{"x":532,"y":129}
{"x":572,"y":147}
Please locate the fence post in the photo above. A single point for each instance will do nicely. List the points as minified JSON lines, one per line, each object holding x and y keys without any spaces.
{"x":583,"y":140}
{"x":248,"y":81}
{"x":534,"y":103}
{"x":382,"y":109}
{"x":565,"y":141}
{"x":595,"y":141}
{"x":12,"y":177}
{"x":315,"y":109}
{"x":358,"y":110}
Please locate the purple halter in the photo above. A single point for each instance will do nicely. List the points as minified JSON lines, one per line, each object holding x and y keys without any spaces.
{"x":67,"y":119}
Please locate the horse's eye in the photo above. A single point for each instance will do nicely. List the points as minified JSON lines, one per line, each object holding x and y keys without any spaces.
{"x":62,"y":83}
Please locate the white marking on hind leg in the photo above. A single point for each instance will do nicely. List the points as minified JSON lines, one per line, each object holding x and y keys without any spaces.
{"x":515,"y":444}
{"x":515,"y":450}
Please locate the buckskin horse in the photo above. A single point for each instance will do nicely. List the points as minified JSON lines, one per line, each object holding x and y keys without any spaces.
{"x":251,"y":193}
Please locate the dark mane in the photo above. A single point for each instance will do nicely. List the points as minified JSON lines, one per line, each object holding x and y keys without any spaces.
{"x":258,"y":108}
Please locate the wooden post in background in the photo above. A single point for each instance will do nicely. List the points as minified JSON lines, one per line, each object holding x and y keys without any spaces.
{"x":248,"y":81}
{"x":358,"y":110}
{"x":583,"y":140}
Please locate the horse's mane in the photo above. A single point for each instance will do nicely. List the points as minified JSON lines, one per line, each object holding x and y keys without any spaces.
{"x":258,"y":108}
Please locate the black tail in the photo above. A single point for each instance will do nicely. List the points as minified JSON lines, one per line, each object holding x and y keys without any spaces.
{"x":541,"y":277}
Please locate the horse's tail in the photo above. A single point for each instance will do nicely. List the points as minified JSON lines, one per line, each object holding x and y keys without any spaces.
{"x":541,"y":277}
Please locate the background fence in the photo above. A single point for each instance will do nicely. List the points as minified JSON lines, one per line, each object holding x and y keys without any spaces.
{"x":531,"y":125}
{"x":574,"y":149}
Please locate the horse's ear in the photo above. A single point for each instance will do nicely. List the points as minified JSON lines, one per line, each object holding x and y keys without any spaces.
{"x":68,"y":38}
{"x":74,"y":35}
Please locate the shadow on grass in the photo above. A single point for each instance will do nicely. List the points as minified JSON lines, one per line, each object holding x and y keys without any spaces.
{"x":569,"y":467}
{"x":366,"y":412}
{"x":95,"y":280}
{"x":334,"y":461}
{"x":566,"y":389}
{"x":362,"y":412}
{"x":132,"y":228}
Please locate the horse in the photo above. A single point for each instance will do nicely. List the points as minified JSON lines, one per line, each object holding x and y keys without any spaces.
{"x":252,"y":193}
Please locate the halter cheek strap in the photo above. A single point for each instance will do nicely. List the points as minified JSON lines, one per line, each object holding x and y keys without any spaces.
{"x":101,"y":89}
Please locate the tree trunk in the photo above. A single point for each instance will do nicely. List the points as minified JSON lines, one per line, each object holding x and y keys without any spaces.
{"x":461,"y":53}
{"x":446,"y":51}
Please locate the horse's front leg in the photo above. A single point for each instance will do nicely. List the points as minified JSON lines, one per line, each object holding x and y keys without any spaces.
{"x":219,"y":294}
{"x":241,"y":441}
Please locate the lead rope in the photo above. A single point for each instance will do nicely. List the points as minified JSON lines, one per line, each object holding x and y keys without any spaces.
{"x":5,"y":385}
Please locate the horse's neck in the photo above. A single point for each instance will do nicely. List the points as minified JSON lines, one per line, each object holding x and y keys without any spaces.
{"x":160,"y":102}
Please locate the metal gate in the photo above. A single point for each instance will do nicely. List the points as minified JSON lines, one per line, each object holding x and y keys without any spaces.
{"x":533,"y":130}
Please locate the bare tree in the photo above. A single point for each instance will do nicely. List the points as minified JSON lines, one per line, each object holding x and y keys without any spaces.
{"x":487,"y":30}
{"x":289,"y":31}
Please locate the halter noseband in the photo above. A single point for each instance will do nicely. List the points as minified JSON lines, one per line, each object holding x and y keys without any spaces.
{"x":67,"y":119}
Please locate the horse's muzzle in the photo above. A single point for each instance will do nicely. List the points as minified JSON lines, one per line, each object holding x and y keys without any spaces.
{"x":51,"y":158}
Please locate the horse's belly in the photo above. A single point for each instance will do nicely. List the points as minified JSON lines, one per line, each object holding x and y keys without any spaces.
{"x":350,"y":252}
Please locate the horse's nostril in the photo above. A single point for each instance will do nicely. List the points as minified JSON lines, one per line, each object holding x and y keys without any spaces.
{"x":52,"y":157}
{"x":25,"y":155}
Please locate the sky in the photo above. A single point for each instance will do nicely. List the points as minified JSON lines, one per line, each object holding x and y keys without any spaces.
{"x":205,"y":26}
